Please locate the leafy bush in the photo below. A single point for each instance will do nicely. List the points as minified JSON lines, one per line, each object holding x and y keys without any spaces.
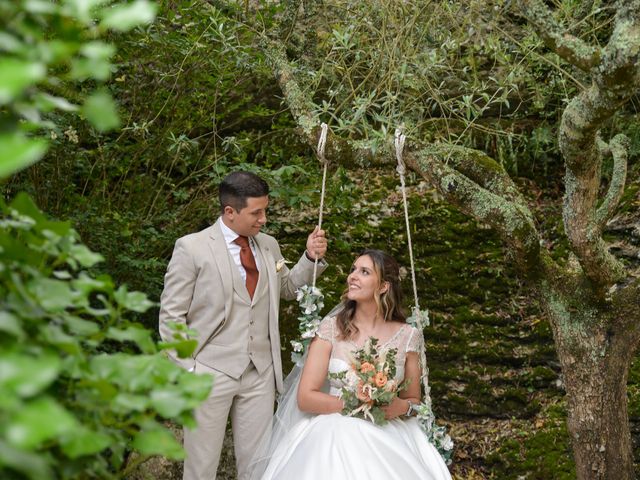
{"x":70,"y":407}
{"x":45,"y":44}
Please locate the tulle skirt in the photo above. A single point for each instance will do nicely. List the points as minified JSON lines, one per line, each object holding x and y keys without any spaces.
{"x":335,"y":447}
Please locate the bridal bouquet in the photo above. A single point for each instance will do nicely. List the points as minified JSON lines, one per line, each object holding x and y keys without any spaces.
{"x":369,"y":384}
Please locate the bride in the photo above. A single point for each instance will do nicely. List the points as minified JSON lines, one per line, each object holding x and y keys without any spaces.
{"x":310,"y":438}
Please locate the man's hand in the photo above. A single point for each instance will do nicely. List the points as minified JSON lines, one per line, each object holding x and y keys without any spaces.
{"x":316,"y":244}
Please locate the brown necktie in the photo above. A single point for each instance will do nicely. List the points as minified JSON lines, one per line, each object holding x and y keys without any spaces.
{"x":249,"y":263}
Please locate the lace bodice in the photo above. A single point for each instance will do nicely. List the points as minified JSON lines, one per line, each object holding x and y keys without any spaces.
{"x":406,"y":339}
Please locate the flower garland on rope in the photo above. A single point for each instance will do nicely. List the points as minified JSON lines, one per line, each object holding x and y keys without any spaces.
{"x":309,"y":297}
{"x":311,"y":301}
{"x":437,"y":434}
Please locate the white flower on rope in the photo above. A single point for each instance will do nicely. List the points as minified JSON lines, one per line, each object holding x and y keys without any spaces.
{"x":311,"y":301}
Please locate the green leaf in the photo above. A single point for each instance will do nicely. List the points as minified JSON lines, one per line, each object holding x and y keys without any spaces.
{"x":86,"y":284}
{"x":16,"y":75}
{"x":38,"y":421}
{"x":84,"y":256}
{"x":27,"y":375}
{"x":83,"y":9}
{"x":11,"y":324}
{"x":101,"y":111}
{"x":52,"y":295}
{"x":84,"y":442}
{"x":40,"y":6}
{"x":170,"y":402}
{"x":98,"y":50}
{"x":158,"y":442}
{"x":128,"y":402}
{"x":136,"y":301}
{"x":184,"y":348}
{"x":133,"y":372}
{"x":18,"y":152}
{"x":57,"y":337}
{"x":81,"y":327}
{"x":46,"y":103}
{"x":32,"y":465}
{"x":140,"y":336}
{"x":26,"y":206}
{"x":198,"y":386}
{"x":125,"y":17}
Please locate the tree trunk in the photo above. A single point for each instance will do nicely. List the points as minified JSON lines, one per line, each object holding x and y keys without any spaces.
{"x":595,"y":358}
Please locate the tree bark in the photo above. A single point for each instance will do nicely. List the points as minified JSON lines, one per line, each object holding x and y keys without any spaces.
{"x":596,"y":342}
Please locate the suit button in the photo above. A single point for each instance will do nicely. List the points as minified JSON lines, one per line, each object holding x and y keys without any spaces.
{"x":251,"y":322}
{"x":250,"y":338}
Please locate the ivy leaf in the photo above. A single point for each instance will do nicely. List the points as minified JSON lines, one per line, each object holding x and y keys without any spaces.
{"x":18,"y":152}
{"x":158,"y":442}
{"x":38,"y":421}
{"x":125,"y":17}
{"x":100,"y":109}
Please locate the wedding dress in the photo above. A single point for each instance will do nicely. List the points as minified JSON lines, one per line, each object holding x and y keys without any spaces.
{"x":336,"y":447}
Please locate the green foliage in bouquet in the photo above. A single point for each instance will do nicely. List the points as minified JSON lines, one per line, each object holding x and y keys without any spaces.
{"x":82,"y":385}
{"x":370,"y":382}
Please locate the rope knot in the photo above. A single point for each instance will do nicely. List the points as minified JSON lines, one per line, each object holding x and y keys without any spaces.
{"x":322,"y":143}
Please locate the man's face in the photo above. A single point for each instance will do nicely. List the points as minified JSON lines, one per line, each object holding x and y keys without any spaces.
{"x":249,"y":220}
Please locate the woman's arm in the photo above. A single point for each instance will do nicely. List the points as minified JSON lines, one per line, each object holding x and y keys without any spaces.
{"x":314,"y":374}
{"x":400,"y":405}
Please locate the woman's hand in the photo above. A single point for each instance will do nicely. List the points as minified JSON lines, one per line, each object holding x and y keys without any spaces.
{"x":397,"y":408}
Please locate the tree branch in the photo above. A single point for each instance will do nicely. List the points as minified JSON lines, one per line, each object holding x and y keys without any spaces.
{"x":485,"y":171}
{"x":615,"y":78}
{"x":619,"y":148}
{"x":565,"y":45}
{"x":467,"y":178}
{"x":512,"y":220}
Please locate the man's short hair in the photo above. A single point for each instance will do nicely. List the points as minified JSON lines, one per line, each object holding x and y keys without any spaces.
{"x":236,"y":187}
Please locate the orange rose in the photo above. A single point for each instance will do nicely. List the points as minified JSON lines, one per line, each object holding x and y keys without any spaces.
{"x":362,"y":393}
{"x":366,"y":367}
{"x":380,"y":379}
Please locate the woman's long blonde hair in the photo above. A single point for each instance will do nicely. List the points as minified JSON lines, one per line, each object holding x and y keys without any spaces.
{"x":389,"y":303}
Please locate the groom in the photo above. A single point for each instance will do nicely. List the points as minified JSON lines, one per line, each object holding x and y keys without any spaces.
{"x":225,"y":283}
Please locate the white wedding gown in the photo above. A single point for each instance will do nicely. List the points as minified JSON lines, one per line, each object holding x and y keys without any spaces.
{"x":336,"y":447}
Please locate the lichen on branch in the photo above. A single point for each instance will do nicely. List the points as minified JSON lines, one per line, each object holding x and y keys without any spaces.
{"x":567,"y":46}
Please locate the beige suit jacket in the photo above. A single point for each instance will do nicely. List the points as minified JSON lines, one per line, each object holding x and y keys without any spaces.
{"x":198,"y":288}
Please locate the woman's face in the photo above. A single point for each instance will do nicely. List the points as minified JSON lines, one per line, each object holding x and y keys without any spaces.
{"x":363,"y":281}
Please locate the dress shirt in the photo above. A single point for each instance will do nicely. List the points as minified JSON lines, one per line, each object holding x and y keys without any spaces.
{"x":234,"y":249}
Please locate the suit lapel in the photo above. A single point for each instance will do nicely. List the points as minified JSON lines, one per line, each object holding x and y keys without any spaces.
{"x":220,"y":253}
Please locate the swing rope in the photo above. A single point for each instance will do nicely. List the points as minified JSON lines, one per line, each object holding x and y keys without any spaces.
{"x":322,"y":142}
{"x":401,"y":169}
{"x":436,"y":434}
